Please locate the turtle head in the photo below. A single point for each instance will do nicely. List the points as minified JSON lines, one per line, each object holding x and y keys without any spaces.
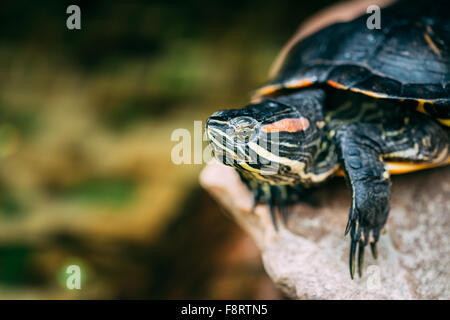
{"x":273,"y":141}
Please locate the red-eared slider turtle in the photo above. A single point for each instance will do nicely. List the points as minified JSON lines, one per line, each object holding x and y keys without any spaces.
{"x":365,"y":102}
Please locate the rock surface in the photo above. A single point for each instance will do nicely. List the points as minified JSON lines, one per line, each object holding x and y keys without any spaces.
{"x":308,"y":259}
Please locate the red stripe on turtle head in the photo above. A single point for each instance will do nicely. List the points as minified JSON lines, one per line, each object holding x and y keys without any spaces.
{"x":287,"y":125}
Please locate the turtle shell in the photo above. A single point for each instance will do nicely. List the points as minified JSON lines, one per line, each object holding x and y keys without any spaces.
{"x":407,"y":59}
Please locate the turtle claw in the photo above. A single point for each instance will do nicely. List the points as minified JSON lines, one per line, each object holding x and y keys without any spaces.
{"x":258,"y":195}
{"x":283,"y":211}
{"x":362,"y":246}
{"x":374,"y":249}
{"x":353,"y":246}
{"x":351,"y":223}
{"x":347,"y":228}
{"x":278,"y":203}
{"x":352,"y":258}
{"x":273,"y":213}
{"x":360,"y":236}
{"x":254,"y":206}
{"x":277,"y":197}
{"x":273,"y":196}
{"x":357,"y":241}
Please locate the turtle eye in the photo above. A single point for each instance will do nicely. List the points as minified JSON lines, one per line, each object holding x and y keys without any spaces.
{"x":244,"y":128}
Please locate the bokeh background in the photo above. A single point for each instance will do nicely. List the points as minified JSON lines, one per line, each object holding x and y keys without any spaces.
{"x":86,"y":118}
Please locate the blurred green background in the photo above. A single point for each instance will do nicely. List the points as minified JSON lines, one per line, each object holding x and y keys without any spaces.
{"x":85,"y":123}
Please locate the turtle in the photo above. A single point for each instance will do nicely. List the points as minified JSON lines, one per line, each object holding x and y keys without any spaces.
{"x":352,"y":101}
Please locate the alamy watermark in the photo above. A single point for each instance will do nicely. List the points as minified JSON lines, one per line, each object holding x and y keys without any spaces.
{"x":373,"y":282}
{"x":374,"y":20}
{"x":73,"y":21}
{"x":229,"y":148}
{"x":73,"y":280}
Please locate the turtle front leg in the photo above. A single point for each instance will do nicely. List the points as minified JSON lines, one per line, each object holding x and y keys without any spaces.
{"x":277,"y":197}
{"x":360,"y":157}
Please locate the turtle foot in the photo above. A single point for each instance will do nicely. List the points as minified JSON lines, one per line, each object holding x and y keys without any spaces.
{"x":360,"y":236}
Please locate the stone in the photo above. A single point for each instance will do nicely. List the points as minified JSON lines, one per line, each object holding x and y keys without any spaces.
{"x":308,"y":258}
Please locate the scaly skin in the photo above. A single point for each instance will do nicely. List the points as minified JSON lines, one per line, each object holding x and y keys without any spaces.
{"x":335,"y":129}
